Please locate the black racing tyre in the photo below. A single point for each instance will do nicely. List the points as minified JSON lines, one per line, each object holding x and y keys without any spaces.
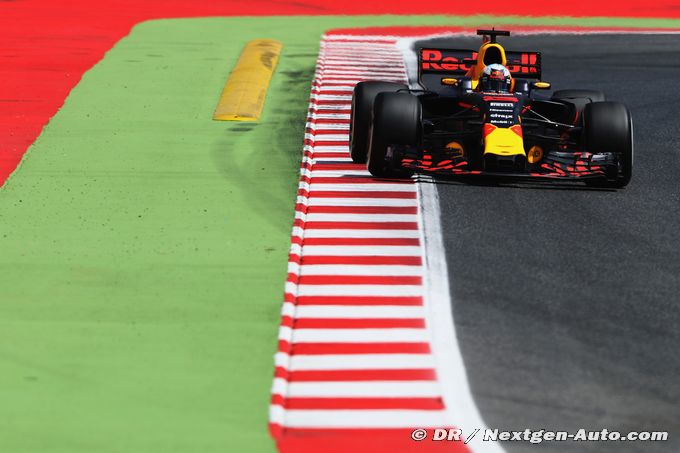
{"x":608,"y":128}
{"x":397,"y":120}
{"x":363,"y":97}
{"x":580,"y":98}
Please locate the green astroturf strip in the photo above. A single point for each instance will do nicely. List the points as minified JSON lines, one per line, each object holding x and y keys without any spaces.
{"x":143,"y":246}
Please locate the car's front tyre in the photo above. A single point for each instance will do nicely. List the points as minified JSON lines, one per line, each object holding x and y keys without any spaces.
{"x":608,"y":128}
{"x":363,"y":97}
{"x":397,"y":120}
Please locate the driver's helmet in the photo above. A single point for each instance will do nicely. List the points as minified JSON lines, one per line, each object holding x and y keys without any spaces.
{"x":496,"y":77}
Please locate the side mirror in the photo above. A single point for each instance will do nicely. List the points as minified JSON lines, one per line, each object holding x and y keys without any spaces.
{"x":450,"y":81}
{"x":541,"y":85}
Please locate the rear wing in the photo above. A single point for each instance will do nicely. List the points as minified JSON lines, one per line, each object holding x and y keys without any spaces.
{"x":435,"y":64}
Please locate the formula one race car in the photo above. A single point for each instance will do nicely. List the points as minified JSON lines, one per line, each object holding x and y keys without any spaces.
{"x":478,"y":114}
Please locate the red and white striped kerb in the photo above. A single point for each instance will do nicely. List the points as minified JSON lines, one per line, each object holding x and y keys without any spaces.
{"x":354,"y":368}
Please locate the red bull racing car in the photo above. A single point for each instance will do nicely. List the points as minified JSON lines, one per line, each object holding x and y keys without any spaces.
{"x":478,"y":113}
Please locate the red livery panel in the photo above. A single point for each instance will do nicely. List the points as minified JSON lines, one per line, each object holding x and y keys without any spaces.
{"x":459,"y":61}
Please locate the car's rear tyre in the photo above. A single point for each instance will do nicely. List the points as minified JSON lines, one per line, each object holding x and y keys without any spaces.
{"x":608,"y":128}
{"x":579,"y":98}
{"x":397,"y":120}
{"x":363,"y":97}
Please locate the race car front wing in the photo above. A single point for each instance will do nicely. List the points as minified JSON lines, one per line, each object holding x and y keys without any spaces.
{"x":555,"y":165}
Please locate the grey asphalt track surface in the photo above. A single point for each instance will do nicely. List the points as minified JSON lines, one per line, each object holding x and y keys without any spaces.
{"x":566,"y":299}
